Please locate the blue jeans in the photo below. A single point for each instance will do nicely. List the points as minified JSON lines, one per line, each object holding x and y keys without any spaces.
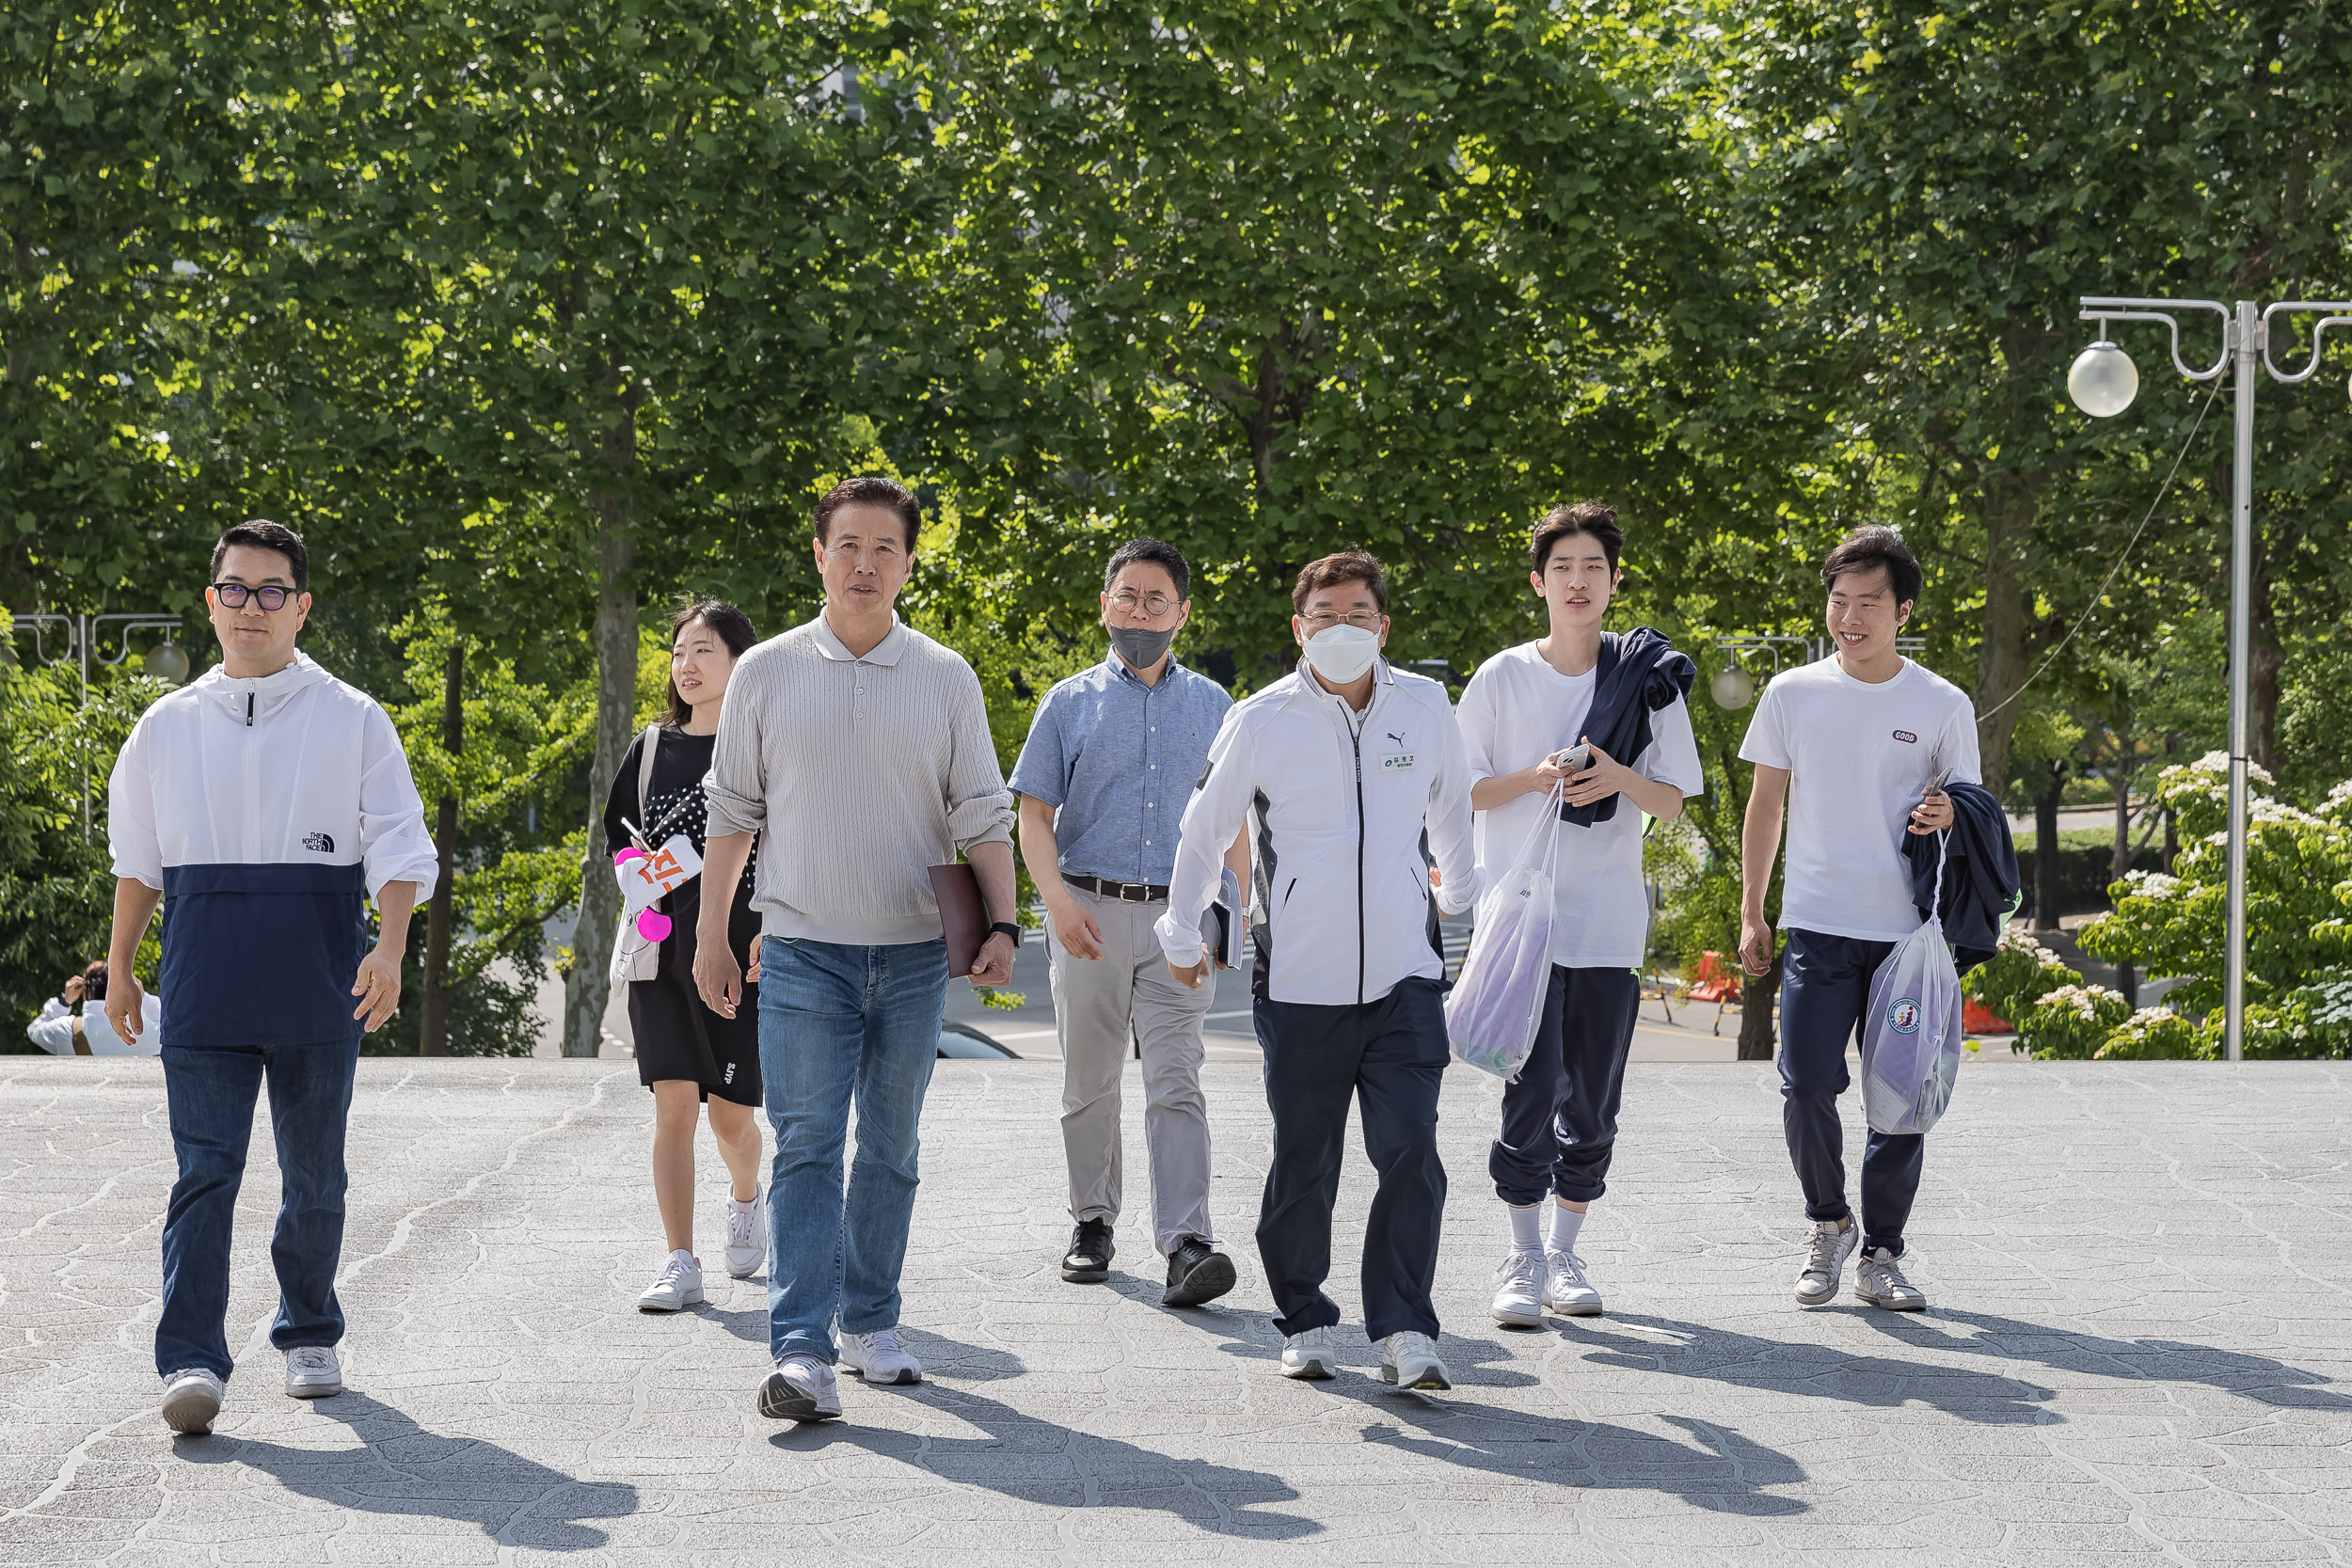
{"x":210,"y":1091}
{"x":837,"y":1025}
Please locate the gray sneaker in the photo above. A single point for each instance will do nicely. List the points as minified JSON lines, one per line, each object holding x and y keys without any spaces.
{"x":1825,"y":1261}
{"x":1309,"y":1355}
{"x":1879,"y":1280}
{"x":191,"y":1399}
{"x":313,"y":1373}
{"x":802,"y":1389}
{"x":1408,"y":1360}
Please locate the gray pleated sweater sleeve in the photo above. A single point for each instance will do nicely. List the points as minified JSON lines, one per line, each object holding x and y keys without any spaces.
{"x":864,"y":773}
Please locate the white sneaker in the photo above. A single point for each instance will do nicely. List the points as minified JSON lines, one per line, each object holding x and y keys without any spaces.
{"x":747,"y":1234}
{"x":1824,"y":1260}
{"x":802,"y":1389}
{"x":1567,"y":1290}
{"x":1408,"y":1360}
{"x":1310,"y":1354}
{"x":879,"y":1357}
{"x":680,"y":1285}
{"x":191,"y":1399}
{"x":1519,"y":1291}
{"x":312,"y":1373}
{"x":1879,"y":1280}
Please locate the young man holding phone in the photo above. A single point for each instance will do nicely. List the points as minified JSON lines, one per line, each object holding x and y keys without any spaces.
{"x":1854,"y":750}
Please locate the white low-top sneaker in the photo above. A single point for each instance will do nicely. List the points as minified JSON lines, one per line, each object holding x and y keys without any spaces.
{"x":1408,"y":1360}
{"x":1879,"y":1280}
{"x":1567,"y":1290}
{"x":313,"y":1373}
{"x":1825,"y":1261}
{"x":802,"y":1389}
{"x":1310,"y":1354}
{"x":191,"y":1399}
{"x":1519,"y":1291}
{"x":747,"y":1235}
{"x":879,"y":1357}
{"x":678,"y":1286}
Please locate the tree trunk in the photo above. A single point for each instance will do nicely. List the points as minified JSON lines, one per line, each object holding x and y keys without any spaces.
{"x":1758,"y":993}
{"x":2125,"y":980}
{"x":2172,"y":839}
{"x":433,"y":1029}
{"x":2046,"y":852}
{"x":586,"y":986}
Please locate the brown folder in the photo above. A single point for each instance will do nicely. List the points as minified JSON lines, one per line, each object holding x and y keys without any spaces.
{"x":961,"y":921}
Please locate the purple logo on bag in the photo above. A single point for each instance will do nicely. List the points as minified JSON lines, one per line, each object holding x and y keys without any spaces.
{"x":1903,"y":1017}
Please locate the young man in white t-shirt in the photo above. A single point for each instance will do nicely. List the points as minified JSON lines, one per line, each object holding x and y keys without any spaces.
{"x":1522,"y":709}
{"x":1855,"y":749}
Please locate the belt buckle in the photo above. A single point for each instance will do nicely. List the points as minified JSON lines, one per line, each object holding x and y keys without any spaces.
{"x":1141,"y":892}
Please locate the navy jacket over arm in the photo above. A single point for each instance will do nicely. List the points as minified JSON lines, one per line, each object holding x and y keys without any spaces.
{"x":1980,"y":874}
{"x":1638,"y":674}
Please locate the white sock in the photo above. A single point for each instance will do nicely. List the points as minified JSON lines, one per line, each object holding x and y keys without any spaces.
{"x":1526,"y":1228}
{"x":1565,"y":1222}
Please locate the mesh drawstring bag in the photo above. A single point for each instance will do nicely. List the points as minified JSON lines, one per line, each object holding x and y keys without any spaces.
{"x":1496,"y":1005}
{"x":1912,"y":1035}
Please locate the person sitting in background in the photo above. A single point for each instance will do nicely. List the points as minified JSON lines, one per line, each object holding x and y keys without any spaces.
{"x":73,"y":1023}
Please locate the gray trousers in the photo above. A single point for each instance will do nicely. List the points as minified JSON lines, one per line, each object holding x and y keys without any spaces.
{"x":1100,"y":1007}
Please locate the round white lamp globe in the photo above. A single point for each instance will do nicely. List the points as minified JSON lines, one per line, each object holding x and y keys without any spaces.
{"x":2103,"y":381}
{"x":1732,"y":688}
{"x":167,"y":662}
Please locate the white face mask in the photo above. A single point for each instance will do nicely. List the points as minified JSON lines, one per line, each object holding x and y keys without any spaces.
{"x":1341,"y":652}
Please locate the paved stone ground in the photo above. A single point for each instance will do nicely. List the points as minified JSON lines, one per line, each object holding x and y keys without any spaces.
{"x":2139,"y":1350}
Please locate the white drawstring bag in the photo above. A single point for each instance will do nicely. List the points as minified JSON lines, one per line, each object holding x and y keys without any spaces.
{"x":1912,"y":1035}
{"x":1497,"y":1003}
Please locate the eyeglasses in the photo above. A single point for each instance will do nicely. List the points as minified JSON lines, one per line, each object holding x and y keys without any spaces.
{"x":233,"y":595}
{"x":1127,"y":601}
{"x":1323,"y":619}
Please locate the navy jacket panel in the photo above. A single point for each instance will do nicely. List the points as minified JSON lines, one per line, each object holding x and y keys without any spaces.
{"x":262,"y":954}
{"x":1981,"y":880}
{"x":1638,"y":674}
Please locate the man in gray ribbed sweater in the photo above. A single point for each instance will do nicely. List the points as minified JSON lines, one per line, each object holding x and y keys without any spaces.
{"x":861,"y":748}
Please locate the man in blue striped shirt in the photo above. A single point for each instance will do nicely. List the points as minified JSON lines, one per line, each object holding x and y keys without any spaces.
{"x":1101,"y":783}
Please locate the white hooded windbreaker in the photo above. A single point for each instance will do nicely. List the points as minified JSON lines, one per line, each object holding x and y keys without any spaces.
{"x":266,"y":811}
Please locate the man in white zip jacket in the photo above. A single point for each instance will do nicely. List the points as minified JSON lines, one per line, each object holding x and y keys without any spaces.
{"x":263,"y":803}
{"x":1345,"y":764}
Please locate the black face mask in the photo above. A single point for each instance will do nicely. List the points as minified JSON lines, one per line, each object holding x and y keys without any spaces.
{"x":1141,"y":648}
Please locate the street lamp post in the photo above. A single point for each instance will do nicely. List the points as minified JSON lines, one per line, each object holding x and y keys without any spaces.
{"x":81,"y":638}
{"x":2103,"y":383}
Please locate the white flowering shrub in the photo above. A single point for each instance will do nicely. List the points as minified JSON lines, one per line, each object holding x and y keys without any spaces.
{"x":2071,"y":1023}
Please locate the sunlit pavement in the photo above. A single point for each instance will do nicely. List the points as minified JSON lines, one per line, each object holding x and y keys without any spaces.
{"x":2137,"y":1348}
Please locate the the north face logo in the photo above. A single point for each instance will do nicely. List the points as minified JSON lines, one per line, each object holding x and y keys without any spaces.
{"x":323,"y":842}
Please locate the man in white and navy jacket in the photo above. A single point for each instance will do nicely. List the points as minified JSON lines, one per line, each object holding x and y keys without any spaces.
{"x":263,"y":804}
{"x":1346,"y":765}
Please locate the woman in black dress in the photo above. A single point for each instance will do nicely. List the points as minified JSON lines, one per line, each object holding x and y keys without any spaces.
{"x":687,"y":1055}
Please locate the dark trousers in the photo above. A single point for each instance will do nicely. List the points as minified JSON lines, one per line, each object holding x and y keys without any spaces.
{"x":1560,"y":1114}
{"x":210,"y":1091}
{"x":1824,"y":988}
{"x":1389,"y":1057}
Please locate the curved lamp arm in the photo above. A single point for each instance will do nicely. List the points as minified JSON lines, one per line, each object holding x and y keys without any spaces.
{"x":2104,"y":310}
{"x":2302,"y":306}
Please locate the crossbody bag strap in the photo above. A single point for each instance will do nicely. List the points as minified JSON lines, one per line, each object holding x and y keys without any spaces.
{"x":651,"y":743}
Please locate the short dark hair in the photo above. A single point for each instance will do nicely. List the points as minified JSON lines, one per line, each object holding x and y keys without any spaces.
{"x":733,"y":628}
{"x":1870,"y":546}
{"x":1596,"y":518}
{"x":94,"y":981}
{"x":1155,"y":552}
{"x":261,"y":534}
{"x":1344,"y":566}
{"x":871,"y":490}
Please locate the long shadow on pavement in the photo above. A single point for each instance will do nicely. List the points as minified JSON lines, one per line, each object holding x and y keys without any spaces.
{"x":1825,"y":1371}
{"x":2255,"y":1377}
{"x":401,"y":1468}
{"x":1045,"y":1463}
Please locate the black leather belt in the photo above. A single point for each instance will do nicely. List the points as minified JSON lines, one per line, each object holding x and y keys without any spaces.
{"x":1126,"y":892}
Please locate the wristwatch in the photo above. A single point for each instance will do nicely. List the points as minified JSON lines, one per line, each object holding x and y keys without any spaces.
{"x":1007,"y":929}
